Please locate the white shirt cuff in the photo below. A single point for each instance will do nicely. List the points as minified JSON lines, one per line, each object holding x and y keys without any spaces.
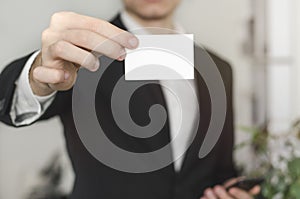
{"x":27,"y":107}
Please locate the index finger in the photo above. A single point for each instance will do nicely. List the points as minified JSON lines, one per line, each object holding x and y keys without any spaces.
{"x":231,"y":181}
{"x":255,"y":190}
{"x":70,"y":20}
{"x":239,"y":193}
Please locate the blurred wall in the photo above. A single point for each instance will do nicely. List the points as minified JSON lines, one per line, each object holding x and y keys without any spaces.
{"x":297,"y":56}
{"x":219,"y":25}
{"x":283,"y":64}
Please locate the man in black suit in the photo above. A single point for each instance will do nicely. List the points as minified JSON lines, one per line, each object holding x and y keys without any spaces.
{"x":51,"y":73}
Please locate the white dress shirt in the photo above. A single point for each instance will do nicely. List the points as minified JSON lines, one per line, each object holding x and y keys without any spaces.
{"x":27,"y":107}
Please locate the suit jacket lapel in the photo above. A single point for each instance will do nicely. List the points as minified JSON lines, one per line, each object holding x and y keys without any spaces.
{"x":205,"y":112}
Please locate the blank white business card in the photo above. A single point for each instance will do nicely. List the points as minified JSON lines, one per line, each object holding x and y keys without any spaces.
{"x":161,"y":57}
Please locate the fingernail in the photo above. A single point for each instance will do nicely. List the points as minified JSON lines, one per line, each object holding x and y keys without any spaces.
{"x":67,"y":75}
{"x":133,"y":42}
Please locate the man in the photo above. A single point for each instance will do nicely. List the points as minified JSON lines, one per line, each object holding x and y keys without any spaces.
{"x":39,"y":86}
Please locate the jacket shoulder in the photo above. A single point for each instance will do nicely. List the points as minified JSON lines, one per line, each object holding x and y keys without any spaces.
{"x":223,"y":65}
{"x":8,"y":77}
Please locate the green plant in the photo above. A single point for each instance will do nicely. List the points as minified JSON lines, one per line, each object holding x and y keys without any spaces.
{"x":279,"y":161}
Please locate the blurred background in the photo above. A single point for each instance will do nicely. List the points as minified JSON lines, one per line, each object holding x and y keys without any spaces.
{"x":260,"y":38}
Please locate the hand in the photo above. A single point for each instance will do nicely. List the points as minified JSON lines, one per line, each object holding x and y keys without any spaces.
{"x":219,"y":192}
{"x":67,"y":44}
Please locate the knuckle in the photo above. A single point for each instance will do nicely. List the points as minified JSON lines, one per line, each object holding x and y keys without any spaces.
{"x":58,"y":16}
{"x":83,"y":38}
{"x":105,"y":25}
{"x":101,"y":26}
{"x":206,"y":191}
{"x":76,"y":36}
{"x":65,"y":35}
{"x":45,"y":35}
{"x":58,"y":48}
{"x":92,"y":26}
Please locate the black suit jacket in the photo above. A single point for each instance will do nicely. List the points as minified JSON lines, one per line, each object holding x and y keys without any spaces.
{"x":95,"y":180}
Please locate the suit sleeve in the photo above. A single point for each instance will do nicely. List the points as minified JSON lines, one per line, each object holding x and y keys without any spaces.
{"x":8,"y":78}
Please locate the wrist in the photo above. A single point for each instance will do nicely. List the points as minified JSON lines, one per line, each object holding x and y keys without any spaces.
{"x":38,"y":88}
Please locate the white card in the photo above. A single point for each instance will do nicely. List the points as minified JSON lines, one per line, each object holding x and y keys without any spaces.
{"x":161,"y":57}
